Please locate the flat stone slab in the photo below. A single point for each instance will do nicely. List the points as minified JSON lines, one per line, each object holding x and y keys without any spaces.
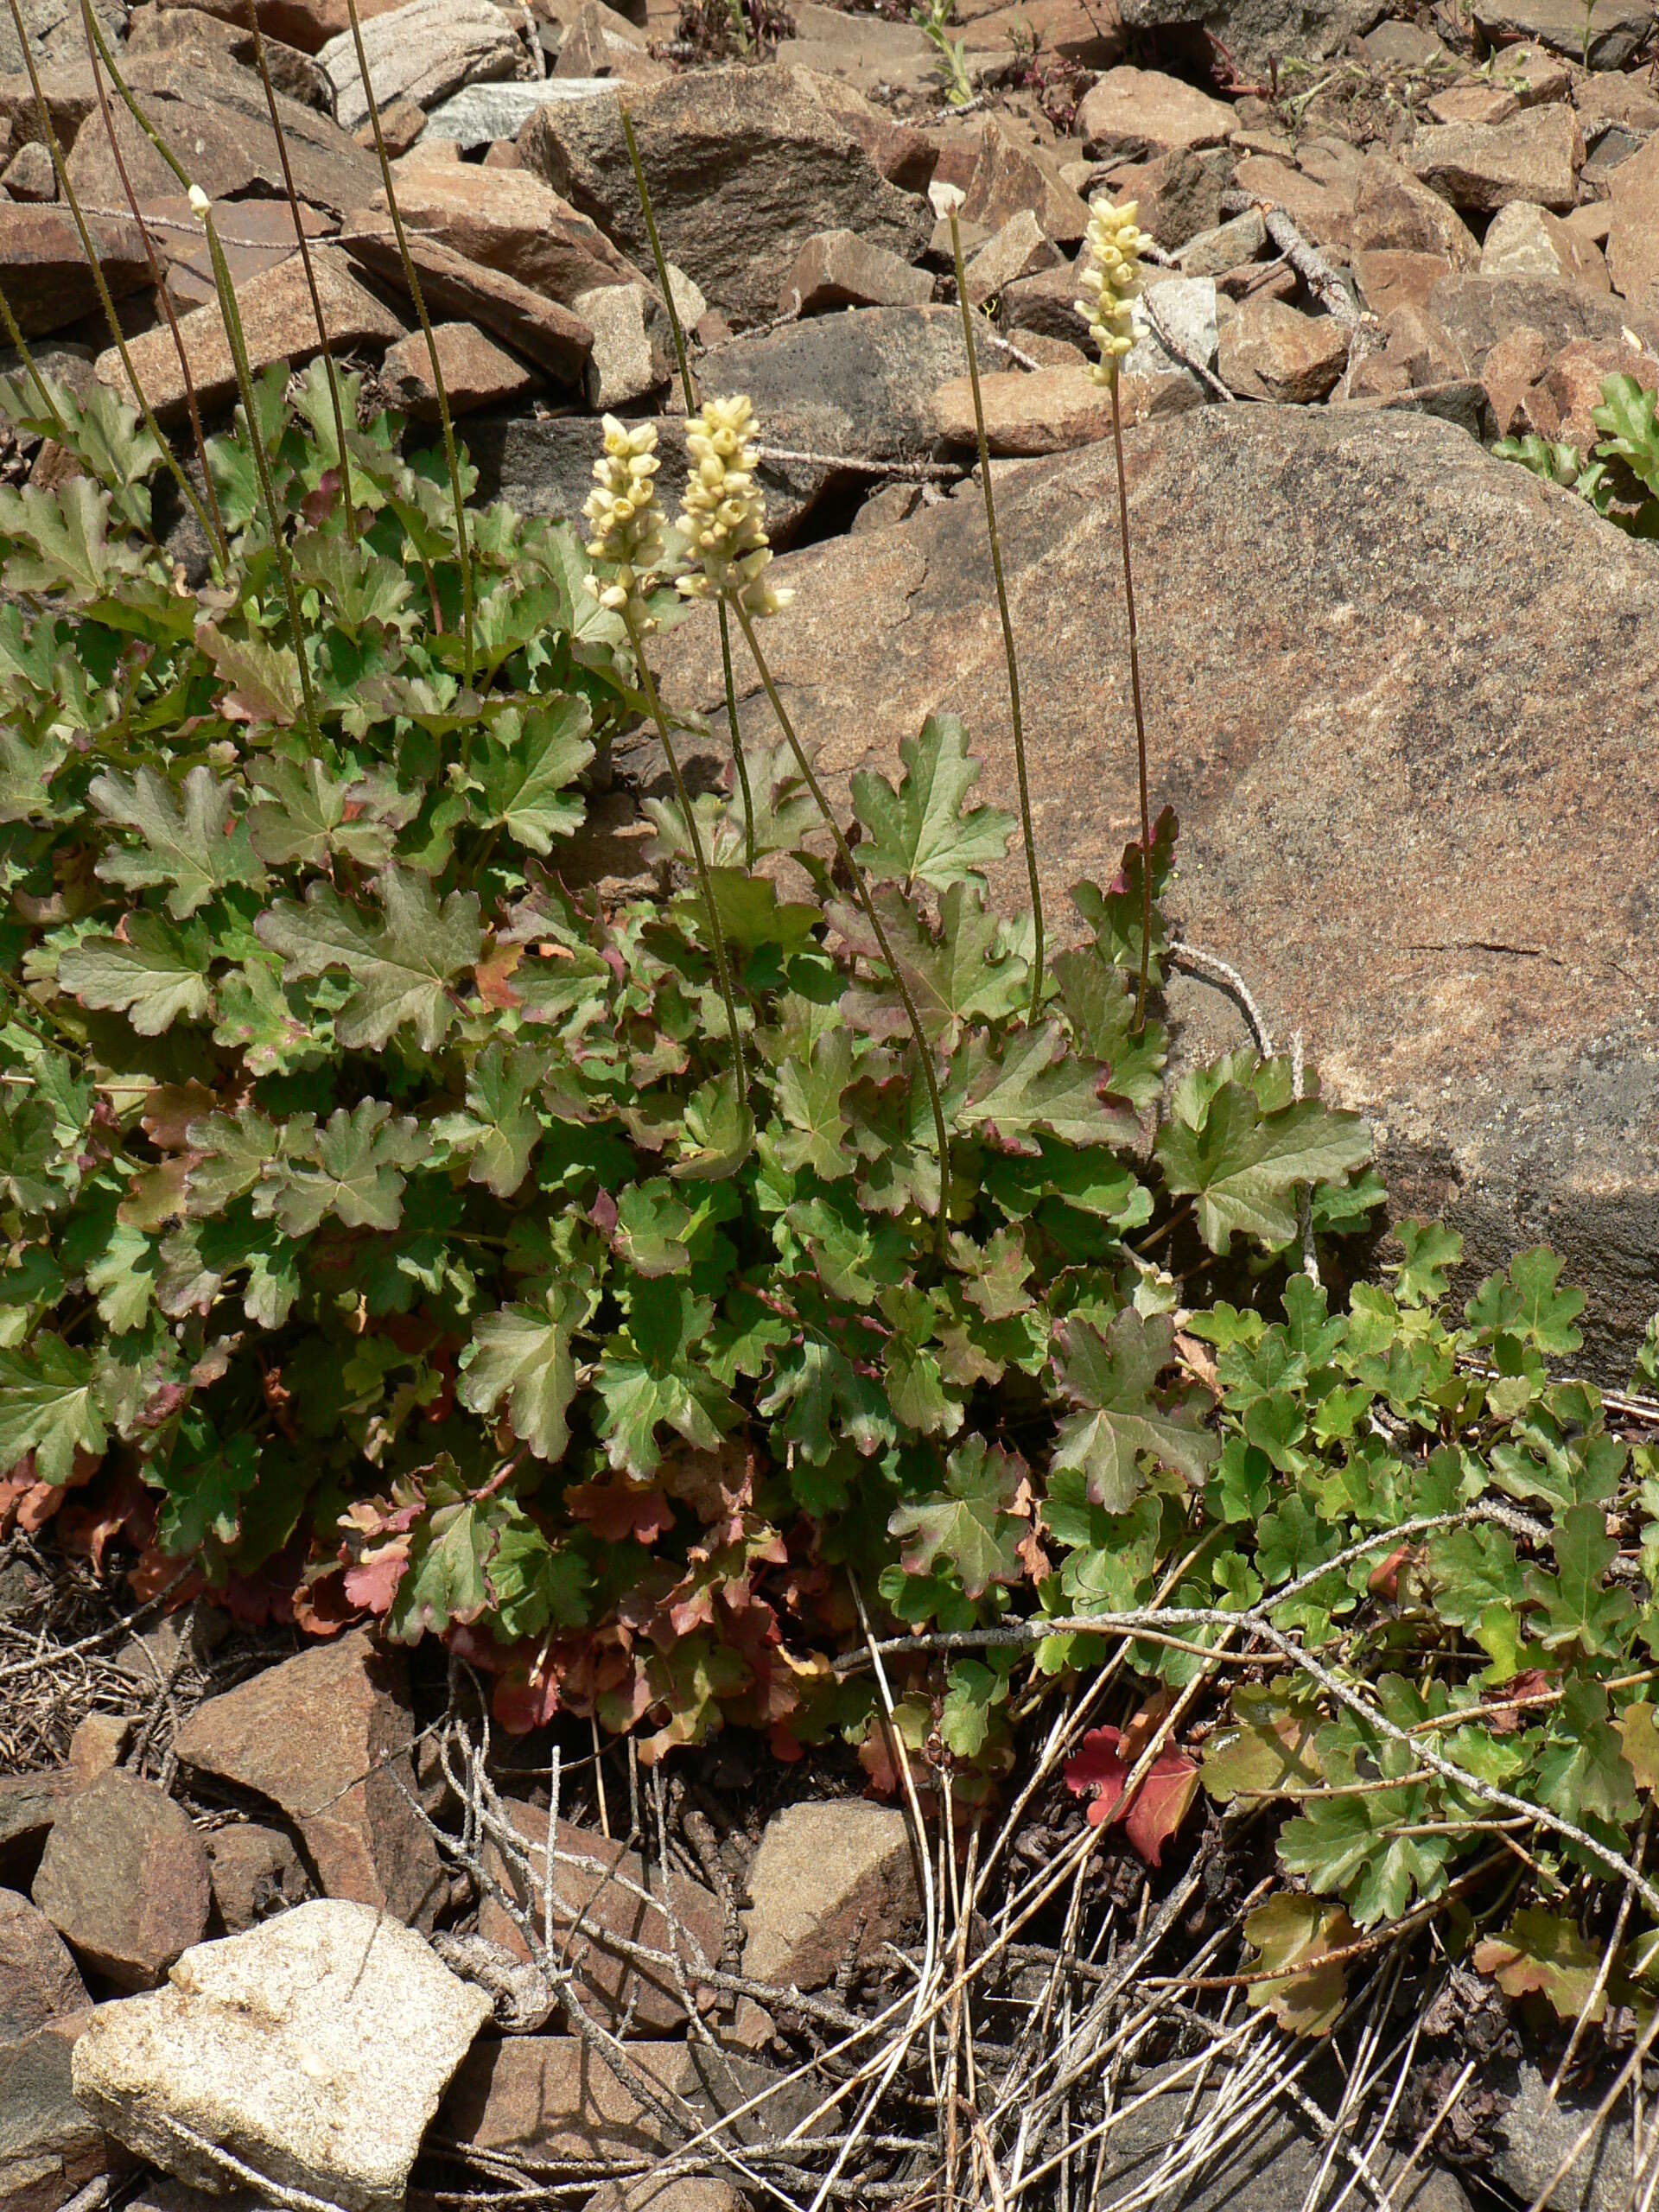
{"x":1404,"y":699}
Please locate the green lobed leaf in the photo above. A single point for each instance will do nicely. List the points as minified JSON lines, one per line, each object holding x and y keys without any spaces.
{"x":1112,"y":1380}
{"x":925,"y":832}
{"x":190,"y":841}
{"x":401,"y":964}
{"x":1244,"y":1166}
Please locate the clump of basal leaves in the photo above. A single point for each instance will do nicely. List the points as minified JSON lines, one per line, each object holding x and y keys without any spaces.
{"x":1621,"y":479}
{"x":385,"y":1236}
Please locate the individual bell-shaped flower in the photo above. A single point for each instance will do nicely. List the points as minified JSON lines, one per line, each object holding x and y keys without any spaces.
{"x":723,"y":511}
{"x":1112,"y":275}
{"x":626,"y":520}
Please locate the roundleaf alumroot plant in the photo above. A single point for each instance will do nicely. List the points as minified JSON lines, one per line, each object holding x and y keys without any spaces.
{"x":640,"y":1292}
{"x":394,"y":1224}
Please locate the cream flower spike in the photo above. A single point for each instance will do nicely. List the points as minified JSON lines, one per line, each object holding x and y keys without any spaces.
{"x":723,"y":511}
{"x":201,"y":205}
{"x":626,"y":520}
{"x":1112,"y":275}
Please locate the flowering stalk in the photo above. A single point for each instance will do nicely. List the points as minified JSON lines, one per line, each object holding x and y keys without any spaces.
{"x":417,"y":298}
{"x":14,"y":336}
{"x":232,"y":316}
{"x":329,"y":371}
{"x":723,"y":525}
{"x":1113,"y":280}
{"x":97,"y":46}
{"x":628,"y":541}
{"x":1008,"y":623}
{"x":690,"y":391}
{"x":89,"y":248}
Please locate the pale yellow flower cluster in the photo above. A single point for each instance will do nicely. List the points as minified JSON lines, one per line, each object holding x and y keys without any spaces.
{"x":627,"y":522}
{"x":723,"y":520}
{"x":1112,"y":275}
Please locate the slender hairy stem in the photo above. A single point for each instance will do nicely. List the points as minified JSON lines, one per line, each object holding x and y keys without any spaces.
{"x":1140,"y":718}
{"x":95,"y":41}
{"x":657,"y":255}
{"x":689,"y":390}
{"x":1027,"y":830}
{"x":742,"y":766}
{"x":861,"y":890}
{"x":238,"y":345}
{"x":705,"y":882}
{"x":14,"y":332}
{"x":89,"y":248}
{"x":310,"y":274}
{"x":425,"y":321}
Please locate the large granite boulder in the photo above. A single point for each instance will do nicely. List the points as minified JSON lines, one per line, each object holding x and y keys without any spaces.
{"x":1405,"y":699}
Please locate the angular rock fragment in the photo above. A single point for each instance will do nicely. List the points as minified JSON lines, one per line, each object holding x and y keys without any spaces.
{"x":1613,"y":29}
{"x":1387,"y":279}
{"x":601,"y":43}
{"x":256,"y":1871}
{"x":193,"y":39}
{"x":551,"y":336}
{"x":1525,"y":240}
{"x":44,"y":272}
{"x":838,"y":269}
{"x":1009,"y":178}
{"x":1473,"y":312}
{"x":422,"y":51}
{"x":221,"y":117}
{"x":307,"y":25}
{"x":49,"y":2147}
{"x":601,"y":1896}
{"x":325,"y":1736}
{"x":632,"y":352}
{"x":315,"y":2048}
{"x":507,"y":221}
{"x":830,"y":1880}
{"x":124,"y":1880}
{"x":29,"y":1803}
{"x":279,"y":323}
{"x":1633,"y":235}
{"x":1212,"y":253}
{"x":30,"y":175}
{"x":1027,"y":412}
{"x":485,"y":114}
{"x":476,"y":373}
{"x":39,"y":1982}
{"x":1536,"y":155}
{"x":744,"y":166}
{"x":1269,"y":351}
{"x":1131,"y":114}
